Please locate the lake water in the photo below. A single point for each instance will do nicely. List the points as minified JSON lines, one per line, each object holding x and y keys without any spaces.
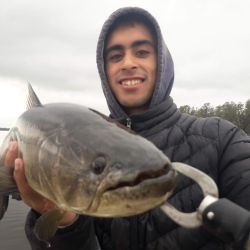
{"x":12,"y":234}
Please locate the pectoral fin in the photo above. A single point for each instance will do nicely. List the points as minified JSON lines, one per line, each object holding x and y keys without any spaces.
{"x":46,"y":226}
{"x":7,"y":186}
{"x":4,"y":202}
{"x":7,"y":182}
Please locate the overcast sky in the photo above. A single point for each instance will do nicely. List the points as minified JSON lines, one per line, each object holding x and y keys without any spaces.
{"x":52,"y":45}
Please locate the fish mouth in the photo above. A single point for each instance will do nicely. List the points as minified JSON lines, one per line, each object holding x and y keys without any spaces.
{"x":139,"y":179}
{"x":123,"y":194}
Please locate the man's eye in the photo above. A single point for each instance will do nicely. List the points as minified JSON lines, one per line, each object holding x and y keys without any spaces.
{"x":142,"y":53}
{"x":115,"y":57}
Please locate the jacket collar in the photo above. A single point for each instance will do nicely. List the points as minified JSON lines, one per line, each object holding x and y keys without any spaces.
{"x":154,"y":120}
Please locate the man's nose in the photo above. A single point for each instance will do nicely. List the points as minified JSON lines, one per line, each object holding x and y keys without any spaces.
{"x":129,"y":62}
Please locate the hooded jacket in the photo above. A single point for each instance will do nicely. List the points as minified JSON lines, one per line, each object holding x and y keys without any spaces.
{"x":212,"y":145}
{"x":165,"y":67}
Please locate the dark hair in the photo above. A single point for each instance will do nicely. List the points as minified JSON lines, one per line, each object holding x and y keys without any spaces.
{"x":130,"y":20}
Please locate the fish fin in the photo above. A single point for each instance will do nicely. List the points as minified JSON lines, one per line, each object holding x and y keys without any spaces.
{"x":46,"y":226}
{"x":7,"y":186}
{"x":33,"y":100}
{"x":16,"y":196}
{"x":7,"y":182}
{"x":4,"y":202}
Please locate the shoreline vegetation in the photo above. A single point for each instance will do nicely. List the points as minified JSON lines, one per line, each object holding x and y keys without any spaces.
{"x":237,"y":113}
{"x":4,"y":129}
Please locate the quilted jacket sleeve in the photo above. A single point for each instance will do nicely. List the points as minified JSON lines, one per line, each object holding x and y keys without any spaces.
{"x":79,"y":236}
{"x":234,"y":164}
{"x":226,"y":158}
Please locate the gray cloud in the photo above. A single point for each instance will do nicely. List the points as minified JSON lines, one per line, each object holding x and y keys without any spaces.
{"x":47,"y":45}
{"x":52,"y":44}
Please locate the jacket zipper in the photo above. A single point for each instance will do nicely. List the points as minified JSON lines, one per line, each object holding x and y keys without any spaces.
{"x":129,"y":123}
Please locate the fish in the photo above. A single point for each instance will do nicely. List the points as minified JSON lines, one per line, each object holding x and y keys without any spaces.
{"x":84,"y":162}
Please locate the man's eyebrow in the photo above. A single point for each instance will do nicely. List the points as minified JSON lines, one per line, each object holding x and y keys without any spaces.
{"x":112,"y":48}
{"x":142,"y":42}
{"x":133,"y":45}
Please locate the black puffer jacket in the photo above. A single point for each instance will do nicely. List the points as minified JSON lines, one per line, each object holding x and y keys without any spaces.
{"x":212,"y":145}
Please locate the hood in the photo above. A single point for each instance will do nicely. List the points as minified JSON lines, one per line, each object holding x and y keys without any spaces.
{"x":165,"y":67}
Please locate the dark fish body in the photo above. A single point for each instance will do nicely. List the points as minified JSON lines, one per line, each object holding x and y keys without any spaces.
{"x":85,"y":164}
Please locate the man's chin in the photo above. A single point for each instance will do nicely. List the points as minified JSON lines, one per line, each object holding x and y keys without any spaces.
{"x":135,"y":107}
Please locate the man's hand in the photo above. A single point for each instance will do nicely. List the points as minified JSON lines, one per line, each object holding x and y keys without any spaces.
{"x":11,"y":154}
{"x":29,"y":196}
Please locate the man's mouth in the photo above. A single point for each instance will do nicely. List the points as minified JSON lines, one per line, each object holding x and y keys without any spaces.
{"x":131,"y":82}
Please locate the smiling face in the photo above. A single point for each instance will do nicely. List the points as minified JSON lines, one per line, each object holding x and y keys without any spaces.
{"x":131,"y":65}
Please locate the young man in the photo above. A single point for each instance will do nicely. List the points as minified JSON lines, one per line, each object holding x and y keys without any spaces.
{"x":137,"y":74}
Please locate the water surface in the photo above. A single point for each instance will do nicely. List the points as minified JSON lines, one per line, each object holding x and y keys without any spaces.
{"x":12,"y":236}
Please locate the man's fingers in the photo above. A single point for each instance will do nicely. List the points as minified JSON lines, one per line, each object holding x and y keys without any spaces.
{"x":29,"y":196}
{"x":19,"y":176}
{"x":11,"y":154}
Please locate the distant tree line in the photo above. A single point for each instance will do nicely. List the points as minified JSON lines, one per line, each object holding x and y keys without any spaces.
{"x":4,"y":129}
{"x":237,"y":113}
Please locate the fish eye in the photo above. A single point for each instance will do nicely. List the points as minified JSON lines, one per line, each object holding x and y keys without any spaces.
{"x":98,"y":165}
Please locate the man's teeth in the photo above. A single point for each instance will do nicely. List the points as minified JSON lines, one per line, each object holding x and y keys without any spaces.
{"x":131,"y":82}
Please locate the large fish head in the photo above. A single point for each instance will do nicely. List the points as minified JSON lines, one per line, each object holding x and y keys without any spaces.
{"x":113,"y":172}
{"x":92,"y":166}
